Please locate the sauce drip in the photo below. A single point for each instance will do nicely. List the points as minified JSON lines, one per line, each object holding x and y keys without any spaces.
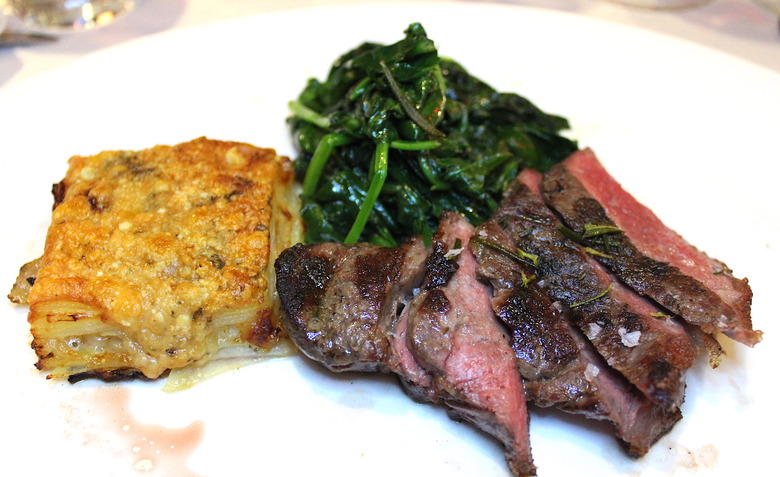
{"x":101,"y":417}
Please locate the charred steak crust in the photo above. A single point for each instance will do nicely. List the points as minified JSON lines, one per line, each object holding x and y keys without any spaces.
{"x":439,"y":267}
{"x":349,"y":326}
{"x":652,"y":353}
{"x":561,"y":368}
{"x":340,"y":302}
{"x":679,"y":277}
{"x":301,"y":275}
{"x":539,"y":333}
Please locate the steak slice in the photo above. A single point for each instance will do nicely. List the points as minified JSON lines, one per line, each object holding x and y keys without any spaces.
{"x":416,"y":381}
{"x":590,"y":387}
{"x":540,"y":334}
{"x":561,"y":368}
{"x":648,"y":256}
{"x":454,"y":335}
{"x":341,"y":303}
{"x":650,"y":349}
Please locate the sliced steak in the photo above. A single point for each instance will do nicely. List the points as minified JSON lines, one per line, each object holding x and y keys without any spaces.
{"x":648,"y":256}
{"x":561,"y":368}
{"x":341,"y":307}
{"x":454,"y":335}
{"x":540,"y":334}
{"x":416,"y":381}
{"x":590,"y":387}
{"x":341,"y":303}
{"x":651,"y":350}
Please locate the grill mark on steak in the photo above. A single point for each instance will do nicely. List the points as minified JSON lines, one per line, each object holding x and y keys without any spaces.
{"x":454,"y":335}
{"x":540,"y":334}
{"x":561,"y":368}
{"x":341,"y":303}
{"x":652,"y":353}
{"x":648,"y":256}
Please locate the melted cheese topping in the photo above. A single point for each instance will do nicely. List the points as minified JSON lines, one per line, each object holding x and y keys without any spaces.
{"x":159,"y":258}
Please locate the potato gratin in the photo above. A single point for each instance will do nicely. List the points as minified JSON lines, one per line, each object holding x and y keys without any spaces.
{"x":160,"y":259}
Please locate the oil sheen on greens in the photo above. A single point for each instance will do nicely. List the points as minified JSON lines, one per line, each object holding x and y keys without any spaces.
{"x":397,"y":134}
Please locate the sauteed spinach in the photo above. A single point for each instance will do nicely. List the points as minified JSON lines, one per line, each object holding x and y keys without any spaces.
{"x":397,"y":134}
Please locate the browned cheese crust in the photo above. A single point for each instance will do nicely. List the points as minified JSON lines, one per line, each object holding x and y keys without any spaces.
{"x":159,"y":258}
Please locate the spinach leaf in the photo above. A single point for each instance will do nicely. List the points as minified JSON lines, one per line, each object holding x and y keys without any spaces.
{"x":396,"y":135}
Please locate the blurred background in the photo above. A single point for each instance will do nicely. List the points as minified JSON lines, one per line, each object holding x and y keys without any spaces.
{"x":743,"y":28}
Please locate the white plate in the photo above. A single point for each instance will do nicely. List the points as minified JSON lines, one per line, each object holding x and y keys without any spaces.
{"x":691,"y":132}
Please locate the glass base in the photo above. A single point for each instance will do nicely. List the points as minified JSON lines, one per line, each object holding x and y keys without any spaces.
{"x":772,"y":5}
{"x":64,"y":15}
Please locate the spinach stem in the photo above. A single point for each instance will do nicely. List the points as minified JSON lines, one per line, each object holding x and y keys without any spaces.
{"x":414,"y":145}
{"x":359,"y":89}
{"x":309,"y":115}
{"x":379,"y":168}
{"x":319,"y":158}
{"x":430,"y":174}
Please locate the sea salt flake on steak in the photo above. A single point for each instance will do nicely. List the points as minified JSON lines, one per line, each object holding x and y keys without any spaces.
{"x":629,"y":338}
